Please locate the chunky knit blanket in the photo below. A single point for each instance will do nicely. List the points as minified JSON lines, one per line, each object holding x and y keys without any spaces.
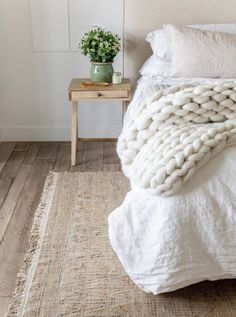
{"x":175,"y":133}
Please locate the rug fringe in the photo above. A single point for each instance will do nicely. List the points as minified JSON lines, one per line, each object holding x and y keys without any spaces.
{"x":34,"y":246}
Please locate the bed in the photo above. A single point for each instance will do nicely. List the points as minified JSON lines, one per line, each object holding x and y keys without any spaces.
{"x":166,"y":243}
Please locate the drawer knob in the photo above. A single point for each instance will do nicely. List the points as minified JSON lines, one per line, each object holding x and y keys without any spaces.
{"x":99,"y":94}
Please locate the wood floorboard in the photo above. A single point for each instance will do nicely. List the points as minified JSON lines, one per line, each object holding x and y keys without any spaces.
{"x":6,"y":149}
{"x":48,"y":150}
{"x":22,"y":146}
{"x":111,"y":168}
{"x":15,"y":240}
{"x":13,"y":164}
{"x":110,"y":158}
{"x":63,"y":158}
{"x":12,"y":198}
{"x":109,"y":153}
{"x":23,"y":169}
{"x":9,"y":172}
{"x":32,"y":153}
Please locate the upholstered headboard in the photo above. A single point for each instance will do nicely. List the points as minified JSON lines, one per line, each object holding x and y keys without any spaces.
{"x":143,"y":16}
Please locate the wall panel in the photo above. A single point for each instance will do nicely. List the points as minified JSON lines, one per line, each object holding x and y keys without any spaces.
{"x":49,"y":20}
{"x":83,"y":14}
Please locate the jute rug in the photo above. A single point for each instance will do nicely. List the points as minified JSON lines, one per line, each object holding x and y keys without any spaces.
{"x":71,"y":270}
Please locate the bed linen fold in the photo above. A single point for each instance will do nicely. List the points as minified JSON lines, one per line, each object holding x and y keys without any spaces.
{"x":165,"y":243}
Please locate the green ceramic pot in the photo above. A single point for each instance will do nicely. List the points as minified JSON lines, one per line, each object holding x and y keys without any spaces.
{"x":101,"y":72}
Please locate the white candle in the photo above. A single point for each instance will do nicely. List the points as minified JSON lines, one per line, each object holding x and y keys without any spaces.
{"x":116,"y":78}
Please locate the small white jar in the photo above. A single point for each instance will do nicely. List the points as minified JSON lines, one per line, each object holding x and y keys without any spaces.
{"x":116,"y":78}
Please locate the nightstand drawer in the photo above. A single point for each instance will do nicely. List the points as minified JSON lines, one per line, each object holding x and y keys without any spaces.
{"x":101,"y":94}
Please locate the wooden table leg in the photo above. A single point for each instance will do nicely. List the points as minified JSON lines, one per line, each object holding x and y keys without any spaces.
{"x":124,"y":109}
{"x":74,"y":132}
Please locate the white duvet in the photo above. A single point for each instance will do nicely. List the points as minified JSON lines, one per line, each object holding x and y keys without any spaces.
{"x":165,"y":243}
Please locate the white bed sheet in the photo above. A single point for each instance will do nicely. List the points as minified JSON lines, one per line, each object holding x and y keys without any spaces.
{"x":168,"y":243}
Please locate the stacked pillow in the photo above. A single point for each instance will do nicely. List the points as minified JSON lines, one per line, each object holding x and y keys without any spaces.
{"x":207,"y":50}
{"x":156,"y":66}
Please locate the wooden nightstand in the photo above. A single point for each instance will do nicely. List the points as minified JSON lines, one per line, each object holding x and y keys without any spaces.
{"x":77,"y":92}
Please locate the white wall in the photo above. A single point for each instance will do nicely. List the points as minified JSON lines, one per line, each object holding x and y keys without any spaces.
{"x":38,"y":58}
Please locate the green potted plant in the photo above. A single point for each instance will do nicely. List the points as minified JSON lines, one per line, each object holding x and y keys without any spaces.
{"x":102,"y":47}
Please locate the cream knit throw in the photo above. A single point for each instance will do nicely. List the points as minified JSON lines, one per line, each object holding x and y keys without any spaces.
{"x":175,"y":133}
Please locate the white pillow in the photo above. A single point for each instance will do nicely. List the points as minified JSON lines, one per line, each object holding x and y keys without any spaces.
{"x":155,"y":67}
{"x":160,"y":42}
{"x":198,"y":53}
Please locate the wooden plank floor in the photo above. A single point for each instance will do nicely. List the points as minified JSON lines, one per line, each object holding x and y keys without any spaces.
{"x":23,"y":168}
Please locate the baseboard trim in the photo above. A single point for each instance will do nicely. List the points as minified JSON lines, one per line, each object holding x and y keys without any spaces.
{"x":56,"y":133}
